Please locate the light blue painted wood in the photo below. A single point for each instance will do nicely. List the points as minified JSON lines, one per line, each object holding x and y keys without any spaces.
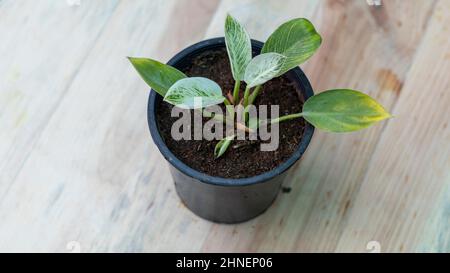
{"x":436,"y":235}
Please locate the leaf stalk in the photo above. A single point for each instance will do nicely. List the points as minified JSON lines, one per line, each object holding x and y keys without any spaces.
{"x":254,"y":94}
{"x":287,"y":117}
{"x":246,"y":93}
{"x":237,"y":85}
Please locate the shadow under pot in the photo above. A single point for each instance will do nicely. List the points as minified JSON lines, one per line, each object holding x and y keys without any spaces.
{"x":219,"y":199}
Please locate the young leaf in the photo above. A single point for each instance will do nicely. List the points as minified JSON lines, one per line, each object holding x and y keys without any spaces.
{"x":296,"y":39}
{"x":239,"y":47}
{"x":263,"y":68}
{"x":343,"y":110}
{"x":222,"y":146}
{"x":159,"y":76}
{"x":186,"y":93}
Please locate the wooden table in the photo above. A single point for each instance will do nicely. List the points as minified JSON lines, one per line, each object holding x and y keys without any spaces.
{"x":79,"y":171}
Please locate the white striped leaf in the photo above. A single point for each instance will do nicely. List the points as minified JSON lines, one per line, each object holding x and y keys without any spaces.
{"x":263,"y":68}
{"x":195,"y":92}
{"x":239,"y":47}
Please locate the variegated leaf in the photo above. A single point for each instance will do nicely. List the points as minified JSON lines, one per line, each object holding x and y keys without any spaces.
{"x":343,"y":110}
{"x":296,"y":39}
{"x":263,"y":68}
{"x":195,"y":92}
{"x":157,"y":75}
{"x":239,"y":47}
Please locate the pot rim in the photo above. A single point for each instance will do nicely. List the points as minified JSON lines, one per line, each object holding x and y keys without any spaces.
{"x":215,"y":180}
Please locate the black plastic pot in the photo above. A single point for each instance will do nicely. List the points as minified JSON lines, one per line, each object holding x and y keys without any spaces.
{"x":215,"y":198}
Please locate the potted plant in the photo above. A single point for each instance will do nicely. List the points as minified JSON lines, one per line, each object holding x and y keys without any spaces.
{"x":221,"y":86}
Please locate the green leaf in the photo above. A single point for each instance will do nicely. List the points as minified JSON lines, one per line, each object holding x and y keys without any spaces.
{"x":239,"y":47}
{"x":343,"y":110}
{"x":159,"y":76}
{"x":263,"y":68}
{"x":186,"y":93}
{"x":296,"y":39}
{"x":222,"y":146}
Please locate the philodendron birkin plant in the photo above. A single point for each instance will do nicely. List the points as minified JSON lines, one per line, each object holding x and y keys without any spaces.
{"x":291,"y":44}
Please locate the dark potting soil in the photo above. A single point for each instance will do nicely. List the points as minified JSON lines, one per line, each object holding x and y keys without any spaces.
{"x":243,"y":158}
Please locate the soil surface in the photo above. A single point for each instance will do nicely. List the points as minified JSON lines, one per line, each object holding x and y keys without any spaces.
{"x":243,"y":158}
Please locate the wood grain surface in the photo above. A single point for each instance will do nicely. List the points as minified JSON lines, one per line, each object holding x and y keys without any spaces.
{"x":79,"y":171}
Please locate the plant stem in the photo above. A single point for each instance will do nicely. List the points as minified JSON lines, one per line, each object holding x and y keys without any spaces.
{"x":287,"y":117}
{"x":242,"y":127}
{"x":230,"y":97}
{"x":237,"y":85}
{"x":226,"y":102}
{"x":230,"y":112}
{"x":254,"y":94}
{"x":246,"y":93}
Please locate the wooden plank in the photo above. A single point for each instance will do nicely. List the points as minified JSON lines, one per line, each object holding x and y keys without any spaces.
{"x":191,"y":20}
{"x":435,"y":235}
{"x":377,"y":65}
{"x":411,"y":165}
{"x":259,"y":17}
{"x":77,"y":162}
{"x":360,"y":53}
{"x":43,"y":45}
{"x":94,"y":175}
